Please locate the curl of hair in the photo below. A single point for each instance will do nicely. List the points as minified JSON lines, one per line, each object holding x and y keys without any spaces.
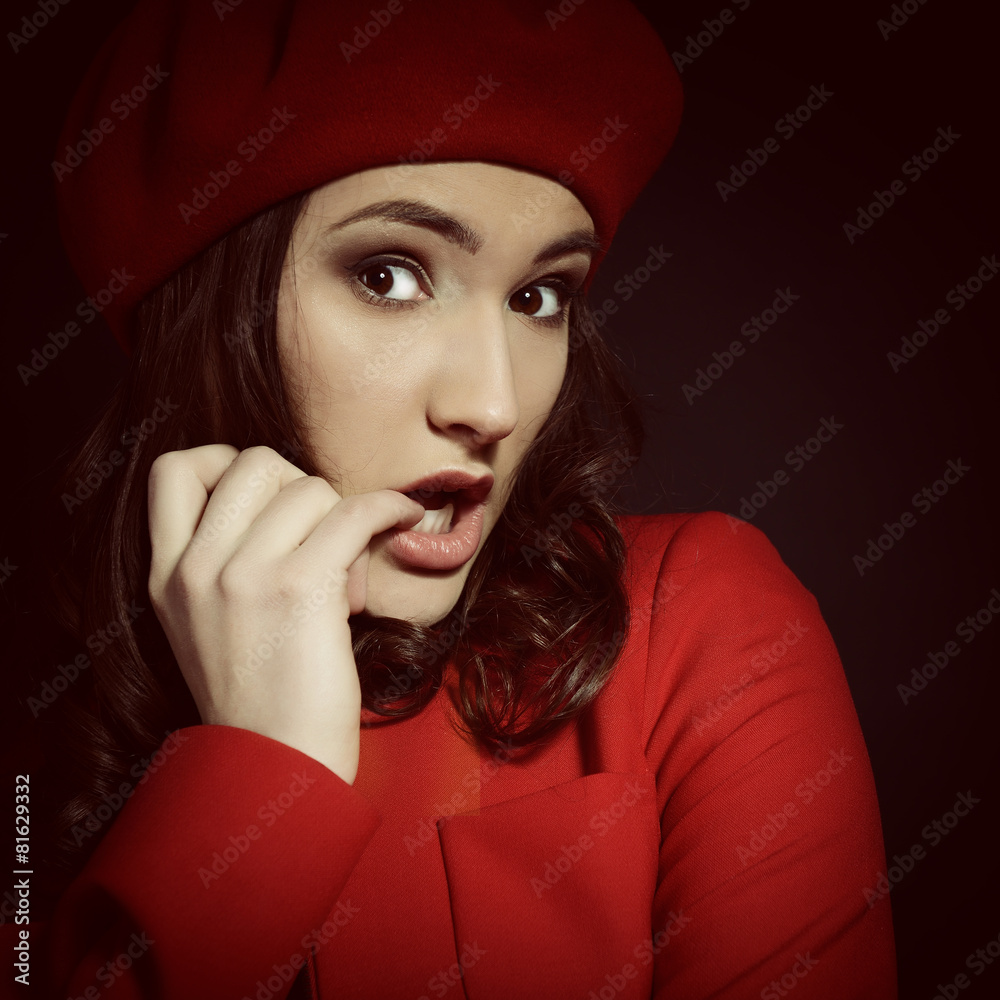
{"x":538,"y":627}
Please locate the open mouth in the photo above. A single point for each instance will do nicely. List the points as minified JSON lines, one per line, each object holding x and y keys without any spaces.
{"x":449,"y":533}
{"x":440,"y":509}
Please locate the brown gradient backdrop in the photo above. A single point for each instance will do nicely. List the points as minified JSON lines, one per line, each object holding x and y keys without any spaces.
{"x":825,"y":358}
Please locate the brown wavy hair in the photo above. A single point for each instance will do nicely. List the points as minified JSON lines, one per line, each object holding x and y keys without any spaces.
{"x":538,"y":627}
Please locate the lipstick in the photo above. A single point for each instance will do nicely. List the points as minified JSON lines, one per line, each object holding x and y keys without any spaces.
{"x":449,"y":534}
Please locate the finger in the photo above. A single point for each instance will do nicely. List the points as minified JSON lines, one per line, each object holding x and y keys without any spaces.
{"x":178,"y":489}
{"x":346,"y":532}
{"x":250,"y":482}
{"x":287,"y":521}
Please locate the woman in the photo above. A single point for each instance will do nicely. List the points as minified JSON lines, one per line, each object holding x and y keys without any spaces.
{"x":416,"y":712}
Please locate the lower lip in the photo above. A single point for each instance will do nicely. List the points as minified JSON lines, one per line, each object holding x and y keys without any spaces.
{"x":423,"y":550}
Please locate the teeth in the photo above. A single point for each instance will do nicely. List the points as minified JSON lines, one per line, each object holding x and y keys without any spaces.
{"x":435,"y":522}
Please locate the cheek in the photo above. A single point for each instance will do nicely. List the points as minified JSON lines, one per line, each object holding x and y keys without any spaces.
{"x":326,"y":359}
{"x":347,"y":354}
{"x":540,"y":375}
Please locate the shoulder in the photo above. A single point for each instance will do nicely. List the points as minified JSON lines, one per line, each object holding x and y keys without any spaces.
{"x":716,"y":614}
{"x":713,"y":558}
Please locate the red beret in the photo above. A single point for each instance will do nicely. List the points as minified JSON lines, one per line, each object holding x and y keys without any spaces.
{"x":195,"y":115}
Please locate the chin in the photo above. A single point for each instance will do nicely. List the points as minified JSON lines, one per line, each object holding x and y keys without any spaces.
{"x":419,"y":596}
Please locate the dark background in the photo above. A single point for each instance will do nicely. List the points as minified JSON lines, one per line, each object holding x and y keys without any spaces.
{"x":825,"y":358}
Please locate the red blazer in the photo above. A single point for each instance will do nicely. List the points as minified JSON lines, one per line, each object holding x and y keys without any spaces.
{"x":707,"y":828}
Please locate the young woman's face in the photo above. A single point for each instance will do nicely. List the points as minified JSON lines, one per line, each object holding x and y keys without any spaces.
{"x":422,"y":324}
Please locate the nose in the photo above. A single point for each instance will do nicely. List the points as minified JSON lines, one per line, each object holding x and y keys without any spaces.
{"x":475,"y":394}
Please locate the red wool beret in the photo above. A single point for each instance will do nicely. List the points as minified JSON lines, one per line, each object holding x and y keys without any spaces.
{"x":195,"y":115}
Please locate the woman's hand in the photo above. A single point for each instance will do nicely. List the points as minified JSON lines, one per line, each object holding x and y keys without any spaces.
{"x":255,"y":569}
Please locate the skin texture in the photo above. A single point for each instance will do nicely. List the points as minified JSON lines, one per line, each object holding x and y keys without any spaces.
{"x":257,"y":567}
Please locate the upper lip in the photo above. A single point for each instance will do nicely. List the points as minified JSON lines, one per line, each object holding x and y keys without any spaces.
{"x":475,"y":487}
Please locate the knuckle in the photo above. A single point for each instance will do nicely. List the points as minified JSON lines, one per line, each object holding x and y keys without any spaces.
{"x":193,"y":574}
{"x":156,"y":588}
{"x":259,"y":453}
{"x":353,"y":508}
{"x":259,"y":456}
{"x":235,"y":579}
{"x":166,"y":465}
{"x":261,"y":462}
{"x":316,"y":485}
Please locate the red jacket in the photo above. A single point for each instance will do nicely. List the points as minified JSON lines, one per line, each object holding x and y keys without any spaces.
{"x":708,"y":828}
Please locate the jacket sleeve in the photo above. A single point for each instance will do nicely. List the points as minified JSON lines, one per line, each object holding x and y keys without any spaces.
{"x":770,"y":830}
{"x":214,"y":877}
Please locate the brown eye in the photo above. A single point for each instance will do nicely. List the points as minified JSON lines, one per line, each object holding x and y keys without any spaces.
{"x":390,"y":281}
{"x":537,"y":301}
{"x":378,"y":279}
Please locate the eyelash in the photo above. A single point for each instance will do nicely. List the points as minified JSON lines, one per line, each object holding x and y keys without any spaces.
{"x":566,"y":292}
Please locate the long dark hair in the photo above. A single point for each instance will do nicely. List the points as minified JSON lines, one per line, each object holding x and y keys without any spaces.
{"x":538,"y":627}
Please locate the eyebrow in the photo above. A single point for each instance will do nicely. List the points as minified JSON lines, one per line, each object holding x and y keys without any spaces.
{"x":419,"y":213}
{"x":579,"y":240}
